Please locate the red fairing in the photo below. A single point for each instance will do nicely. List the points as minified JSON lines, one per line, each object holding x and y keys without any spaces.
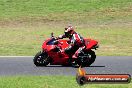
{"x":57,"y":57}
{"x":44,"y":44}
{"x":90,"y":43}
{"x":52,"y":47}
{"x":63,"y":44}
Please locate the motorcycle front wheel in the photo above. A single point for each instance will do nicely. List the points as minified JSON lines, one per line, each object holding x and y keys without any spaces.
{"x":41,"y":59}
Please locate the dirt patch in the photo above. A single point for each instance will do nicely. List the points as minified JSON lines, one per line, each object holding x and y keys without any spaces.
{"x":26,"y":22}
{"x":43,"y":21}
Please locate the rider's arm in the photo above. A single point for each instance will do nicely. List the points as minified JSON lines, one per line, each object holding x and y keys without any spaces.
{"x":61,"y":36}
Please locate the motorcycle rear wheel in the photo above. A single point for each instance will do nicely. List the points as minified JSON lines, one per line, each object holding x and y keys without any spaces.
{"x":41,"y":59}
{"x":88,"y":60}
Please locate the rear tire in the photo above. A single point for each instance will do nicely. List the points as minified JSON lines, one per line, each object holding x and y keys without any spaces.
{"x":87,"y":61}
{"x":41,"y":59}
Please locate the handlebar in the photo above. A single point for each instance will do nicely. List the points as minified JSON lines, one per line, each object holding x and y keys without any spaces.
{"x":56,"y":38}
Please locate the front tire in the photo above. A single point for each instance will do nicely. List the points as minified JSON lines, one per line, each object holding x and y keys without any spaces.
{"x":41,"y":59}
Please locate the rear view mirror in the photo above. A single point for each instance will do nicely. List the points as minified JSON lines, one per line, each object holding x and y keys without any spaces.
{"x":52,"y":34}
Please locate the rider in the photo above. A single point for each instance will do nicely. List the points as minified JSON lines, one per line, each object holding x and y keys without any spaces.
{"x":76,"y":42}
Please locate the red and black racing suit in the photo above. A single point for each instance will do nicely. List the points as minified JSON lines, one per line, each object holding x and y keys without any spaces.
{"x":76,"y":44}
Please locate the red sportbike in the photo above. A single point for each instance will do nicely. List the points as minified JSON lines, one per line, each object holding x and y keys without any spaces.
{"x":51,"y":54}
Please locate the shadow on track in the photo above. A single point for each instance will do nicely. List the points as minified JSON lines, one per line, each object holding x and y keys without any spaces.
{"x":96,"y":66}
{"x":70,"y":66}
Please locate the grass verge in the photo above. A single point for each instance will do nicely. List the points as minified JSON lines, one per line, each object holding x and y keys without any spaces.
{"x":28,"y":41}
{"x":51,"y":82}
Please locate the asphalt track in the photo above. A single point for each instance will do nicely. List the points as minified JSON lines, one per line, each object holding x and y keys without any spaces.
{"x":10,"y":66}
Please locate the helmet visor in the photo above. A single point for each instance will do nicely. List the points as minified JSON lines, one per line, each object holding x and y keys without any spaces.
{"x":67,"y":34}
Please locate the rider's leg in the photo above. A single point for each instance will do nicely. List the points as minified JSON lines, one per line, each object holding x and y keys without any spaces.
{"x":78,"y":52}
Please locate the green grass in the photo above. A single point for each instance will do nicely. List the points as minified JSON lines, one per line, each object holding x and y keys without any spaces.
{"x":28,"y":41}
{"x":51,"y":82}
{"x":24,"y":24}
{"x":70,"y":10}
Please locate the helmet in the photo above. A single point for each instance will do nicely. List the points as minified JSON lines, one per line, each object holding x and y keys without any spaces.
{"x":69,"y":31}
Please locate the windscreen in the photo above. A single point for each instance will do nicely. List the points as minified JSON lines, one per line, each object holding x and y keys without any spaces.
{"x":51,"y":42}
